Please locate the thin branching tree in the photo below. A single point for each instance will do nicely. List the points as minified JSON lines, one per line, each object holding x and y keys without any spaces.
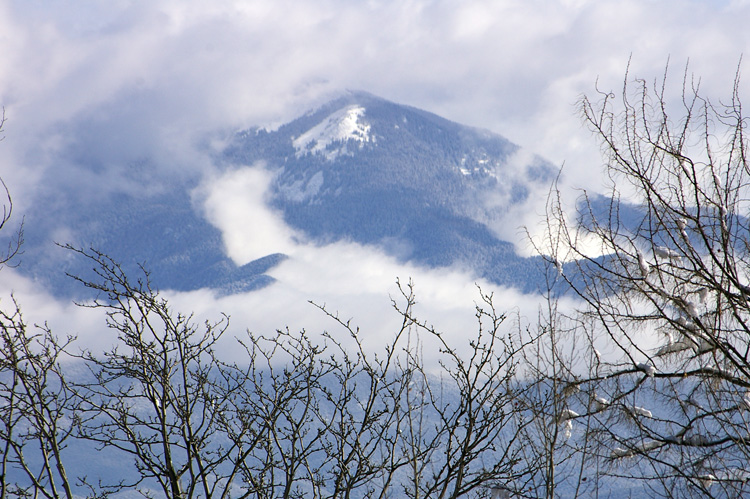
{"x":35,"y":423}
{"x":300,"y":415}
{"x":663,"y":332}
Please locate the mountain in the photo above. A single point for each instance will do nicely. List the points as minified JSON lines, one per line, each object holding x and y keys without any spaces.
{"x":360,"y":168}
{"x":421,"y":187}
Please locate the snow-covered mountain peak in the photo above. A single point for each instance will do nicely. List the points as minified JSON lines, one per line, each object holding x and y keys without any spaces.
{"x":340,"y":127}
{"x":420,"y":187}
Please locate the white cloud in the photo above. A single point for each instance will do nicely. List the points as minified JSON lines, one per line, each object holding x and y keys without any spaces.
{"x":516,"y":221}
{"x":354,"y":282}
{"x":235,"y":203}
{"x":357,"y":283}
{"x":176,"y":68}
{"x":63,"y":317}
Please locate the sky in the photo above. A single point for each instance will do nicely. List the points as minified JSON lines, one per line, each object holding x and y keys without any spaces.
{"x":120,"y":81}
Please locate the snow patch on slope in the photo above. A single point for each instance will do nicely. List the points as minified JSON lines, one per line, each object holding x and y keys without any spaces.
{"x":302,"y":190}
{"x":341,"y":126}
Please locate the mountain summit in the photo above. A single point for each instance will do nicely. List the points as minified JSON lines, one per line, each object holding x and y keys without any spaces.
{"x":359,"y":168}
